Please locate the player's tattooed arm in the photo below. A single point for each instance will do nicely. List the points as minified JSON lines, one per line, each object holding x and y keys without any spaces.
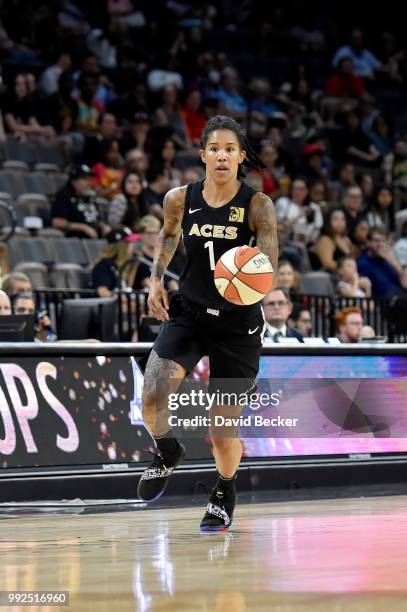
{"x":174,"y":203}
{"x":170,"y":233}
{"x":263,"y":222}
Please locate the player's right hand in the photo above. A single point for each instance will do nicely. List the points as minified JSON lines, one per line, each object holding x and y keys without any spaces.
{"x":158,"y":300}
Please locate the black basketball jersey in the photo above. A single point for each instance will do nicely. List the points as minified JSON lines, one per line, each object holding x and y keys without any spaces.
{"x":209,"y":232}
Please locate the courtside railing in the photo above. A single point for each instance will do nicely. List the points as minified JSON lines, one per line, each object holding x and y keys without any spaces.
{"x":132,"y":307}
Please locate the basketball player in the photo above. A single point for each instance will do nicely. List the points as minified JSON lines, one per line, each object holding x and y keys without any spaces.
{"x":214,"y":216}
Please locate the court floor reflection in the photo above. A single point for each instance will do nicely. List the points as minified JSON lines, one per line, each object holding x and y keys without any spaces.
{"x":346,"y":554}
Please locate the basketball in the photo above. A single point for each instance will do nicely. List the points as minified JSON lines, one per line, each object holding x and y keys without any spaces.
{"x":243,"y":275}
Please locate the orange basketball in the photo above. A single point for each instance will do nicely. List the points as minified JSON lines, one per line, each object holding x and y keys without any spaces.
{"x":243,"y":275}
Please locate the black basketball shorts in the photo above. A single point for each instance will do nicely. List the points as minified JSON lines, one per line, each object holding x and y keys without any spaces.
{"x":231,"y":340}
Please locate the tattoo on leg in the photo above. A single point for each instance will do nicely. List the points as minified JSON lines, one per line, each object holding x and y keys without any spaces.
{"x":162,"y":377}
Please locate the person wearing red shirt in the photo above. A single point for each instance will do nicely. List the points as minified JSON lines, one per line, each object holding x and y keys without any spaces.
{"x":344,"y":83}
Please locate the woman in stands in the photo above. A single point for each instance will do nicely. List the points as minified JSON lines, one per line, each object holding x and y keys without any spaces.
{"x":128,"y":207}
{"x":108,"y":273}
{"x":334,"y":243}
{"x":164,"y":155}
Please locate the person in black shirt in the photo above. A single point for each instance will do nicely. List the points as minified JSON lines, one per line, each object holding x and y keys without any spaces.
{"x":22,"y":113}
{"x":213,"y":216}
{"x":109,"y":273}
{"x":74,"y":210}
{"x":158,"y":185}
{"x":60,"y":109}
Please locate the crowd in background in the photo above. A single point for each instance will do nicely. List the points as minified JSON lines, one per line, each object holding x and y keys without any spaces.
{"x":125,"y":87}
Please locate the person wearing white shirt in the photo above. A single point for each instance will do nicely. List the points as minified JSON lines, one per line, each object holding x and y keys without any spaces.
{"x":298,"y":214}
{"x":50,"y":77}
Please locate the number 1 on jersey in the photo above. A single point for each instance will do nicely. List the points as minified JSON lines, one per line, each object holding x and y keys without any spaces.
{"x":209,"y":244}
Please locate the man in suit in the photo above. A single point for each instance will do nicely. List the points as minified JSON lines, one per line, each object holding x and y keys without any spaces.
{"x":277,"y":310}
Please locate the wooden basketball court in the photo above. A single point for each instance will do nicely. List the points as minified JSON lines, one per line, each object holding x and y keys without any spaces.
{"x":347,"y":554}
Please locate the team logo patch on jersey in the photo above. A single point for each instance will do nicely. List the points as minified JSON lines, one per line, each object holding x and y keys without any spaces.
{"x":236,"y":214}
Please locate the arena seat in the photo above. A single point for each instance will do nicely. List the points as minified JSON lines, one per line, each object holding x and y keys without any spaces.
{"x":21,"y":151}
{"x":69,"y":250}
{"x":317,"y":283}
{"x":92,"y":248}
{"x":37,"y":272}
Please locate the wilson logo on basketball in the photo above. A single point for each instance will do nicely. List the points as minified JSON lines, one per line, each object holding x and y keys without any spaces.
{"x":236,"y":214}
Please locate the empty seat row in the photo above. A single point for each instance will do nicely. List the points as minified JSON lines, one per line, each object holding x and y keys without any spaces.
{"x":18,"y":183}
{"x":51,"y":251}
{"x":32,"y":153}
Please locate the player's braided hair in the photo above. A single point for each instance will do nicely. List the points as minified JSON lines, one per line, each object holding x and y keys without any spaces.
{"x":221,"y":122}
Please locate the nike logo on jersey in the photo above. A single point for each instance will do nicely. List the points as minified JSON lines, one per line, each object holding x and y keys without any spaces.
{"x":191,"y":212}
{"x":213,"y":231}
{"x":252,"y":331}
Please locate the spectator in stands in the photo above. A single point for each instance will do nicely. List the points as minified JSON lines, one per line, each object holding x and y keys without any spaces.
{"x":74,"y":210}
{"x":16,"y":282}
{"x":89,"y":107}
{"x":170,"y":114}
{"x":318,"y":194}
{"x":90,"y":66}
{"x":360,"y":237}
{"x":287,"y":277}
{"x":194,"y":117}
{"x":128,"y":207}
{"x":346,"y":179}
{"x":24,"y":304}
{"x":364,"y":62}
{"x":5,"y":303}
{"x":109,"y":172}
{"x":136,"y":136}
{"x":232,"y":101}
{"x":380,"y":265}
{"x":314,"y":164}
{"x":48,"y":83}
{"x":345,"y":83}
{"x":350,"y":283}
{"x":379,"y":134}
{"x":133,"y":102}
{"x":333,"y":243}
{"x":93,"y":148}
{"x":164,"y":154}
{"x":277,"y":310}
{"x":380,"y":214}
{"x":21,"y":113}
{"x":260,"y":101}
{"x":158,"y":185}
{"x":400,"y":248}
{"x":367,"y":186}
{"x":353,"y":207}
{"x":349,"y":324}
{"x":150,"y":227}
{"x":298,"y":214}
{"x":301,"y":320}
{"x":61,"y":109}
{"x":266,"y":177}
{"x":109,"y":273}
{"x":353,"y":145}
